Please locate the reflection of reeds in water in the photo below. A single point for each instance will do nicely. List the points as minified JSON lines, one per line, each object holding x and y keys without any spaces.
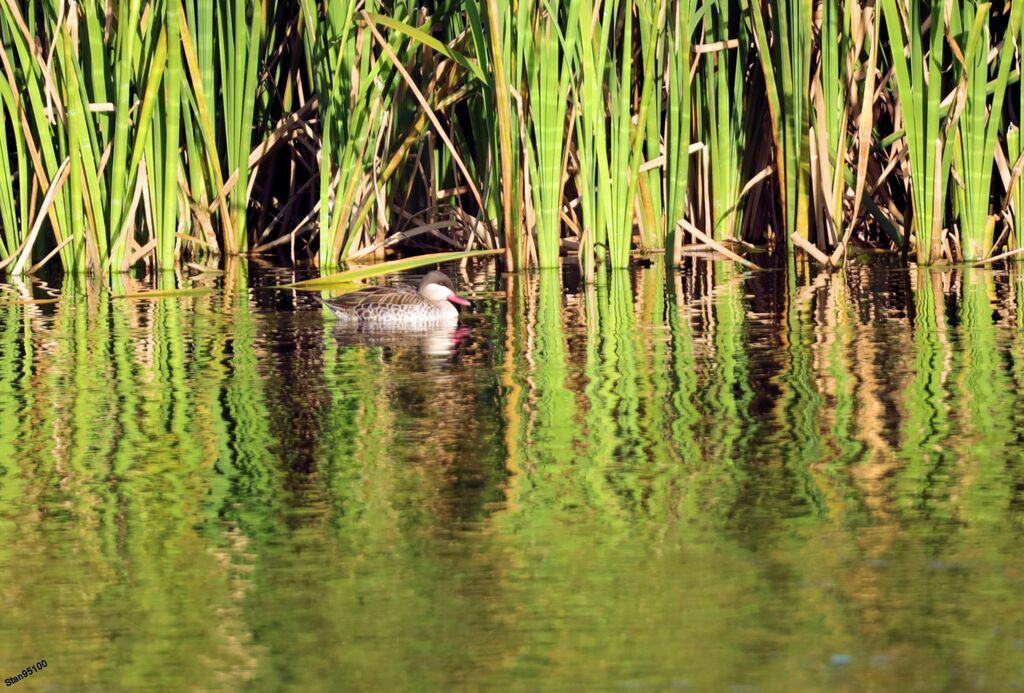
{"x":512,"y":384}
{"x":711,"y":394}
{"x":656,"y":389}
{"x":728,"y":392}
{"x":798,"y":408}
{"x":834,"y":371}
{"x":105,"y":435}
{"x":682,"y":375}
{"x":586,"y":461}
{"x":926,"y":403}
{"x":546,"y":440}
{"x":611,"y":419}
{"x":850,"y":371}
{"x":542,"y":427}
{"x":553,"y":423}
{"x":640,"y":436}
{"x":986,"y":427}
{"x":911,"y":424}
{"x":1016,"y":376}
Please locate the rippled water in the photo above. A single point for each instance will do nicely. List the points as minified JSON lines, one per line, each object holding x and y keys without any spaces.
{"x":722,"y":482}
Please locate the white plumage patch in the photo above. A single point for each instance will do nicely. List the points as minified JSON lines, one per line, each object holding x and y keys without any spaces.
{"x":436,"y":292}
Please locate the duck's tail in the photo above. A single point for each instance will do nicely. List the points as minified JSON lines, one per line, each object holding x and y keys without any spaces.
{"x":326,"y":305}
{"x":337,"y":311}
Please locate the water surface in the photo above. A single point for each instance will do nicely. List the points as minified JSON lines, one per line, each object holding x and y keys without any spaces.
{"x":724,"y":481}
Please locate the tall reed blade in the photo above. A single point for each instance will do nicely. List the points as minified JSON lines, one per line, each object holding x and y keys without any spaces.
{"x":507,"y":63}
{"x":785,"y":57}
{"x":719,"y":114}
{"x":677,"y":120}
{"x":168,"y":225}
{"x":550,"y":75}
{"x":917,"y":62}
{"x":979,"y":122}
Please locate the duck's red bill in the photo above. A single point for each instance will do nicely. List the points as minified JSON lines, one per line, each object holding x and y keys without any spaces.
{"x":459,"y":301}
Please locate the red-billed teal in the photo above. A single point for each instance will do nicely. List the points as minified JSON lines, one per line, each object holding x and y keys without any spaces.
{"x":398,"y":306}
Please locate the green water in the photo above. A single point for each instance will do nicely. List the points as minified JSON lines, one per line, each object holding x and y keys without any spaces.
{"x":723,"y":482}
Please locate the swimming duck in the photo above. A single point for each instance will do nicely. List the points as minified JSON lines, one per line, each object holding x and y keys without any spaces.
{"x":398,"y":306}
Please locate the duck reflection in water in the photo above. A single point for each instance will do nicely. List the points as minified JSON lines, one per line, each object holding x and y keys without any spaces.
{"x":434,"y":342}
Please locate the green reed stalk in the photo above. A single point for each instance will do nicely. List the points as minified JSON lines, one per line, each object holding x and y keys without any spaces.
{"x":507,"y":63}
{"x":978,"y":125}
{"x":356,"y":86}
{"x":122,"y":73}
{"x":241,"y":28}
{"x":830,"y":115}
{"x":651,"y":18}
{"x":11,"y":211}
{"x":786,"y":61}
{"x":719,"y":113}
{"x":918,"y":68}
{"x":75,"y":147}
{"x":591,"y":135}
{"x":610,"y":163}
{"x":330,"y":56}
{"x":30,"y":92}
{"x":14,"y":172}
{"x":166,"y":230}
{"x":627,"y":139}
{"x":484,"y":161}
{"x":678,"y":116}
{"x":93,"y":133}
{"x":550,"y":71}
{"x":151,"y":152}
{"x":1015,"y":195}
{"x":204,"y":153}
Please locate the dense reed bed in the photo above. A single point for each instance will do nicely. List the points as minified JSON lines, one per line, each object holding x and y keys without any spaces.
{"x":165,"y":132}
